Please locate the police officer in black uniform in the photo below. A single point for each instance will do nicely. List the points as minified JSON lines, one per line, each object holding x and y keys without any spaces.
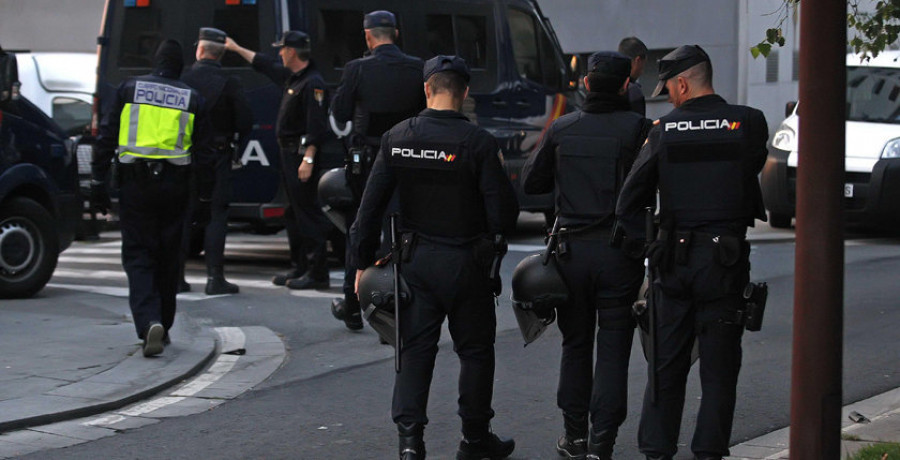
{"x":454,"y":196}
{"x":704,"y":157}
{"x":586,"y":155}
{"x":147,"y":128}
{"x":636,"y":50}
{"x":231,"y":122}
{"x":376,"y":92}
{"x":302,"y":130}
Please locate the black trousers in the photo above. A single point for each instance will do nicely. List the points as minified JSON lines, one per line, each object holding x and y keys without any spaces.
{"x":603,"y":284}
{"x":447,"y":281}
{"x":215,"y":230}
{"x":307,"y":226}
{"x":696,"y":299}
{"x":349,"y":286}
{"x":151,"y":213}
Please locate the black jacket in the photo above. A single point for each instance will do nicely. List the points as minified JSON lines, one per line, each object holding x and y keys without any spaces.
{"x":449,"y":179}
{"x":304,"y":104}
{"x":228,"y":109}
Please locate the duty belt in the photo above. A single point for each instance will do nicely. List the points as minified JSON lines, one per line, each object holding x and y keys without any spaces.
{"x":694,"y":237}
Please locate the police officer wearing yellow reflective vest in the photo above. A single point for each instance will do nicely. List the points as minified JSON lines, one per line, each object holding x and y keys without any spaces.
{"x":704,"y":157}
{"x":585,"y":155}
{"x":454,"y":198}
{"x":157,"y":133}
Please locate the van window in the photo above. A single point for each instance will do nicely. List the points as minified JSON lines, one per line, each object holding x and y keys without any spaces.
{"x":342,"y":31}
{"x":873,"y":94}
{"x":72,"y":115}
{"x":533,"y":50}
{"x":439,"y":28}
{"x":461,"y":35}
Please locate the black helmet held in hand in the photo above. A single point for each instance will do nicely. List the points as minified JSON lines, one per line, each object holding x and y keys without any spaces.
{"x":376,"y":297}
{"x":538,"y":290}
{"x":336,"y":197}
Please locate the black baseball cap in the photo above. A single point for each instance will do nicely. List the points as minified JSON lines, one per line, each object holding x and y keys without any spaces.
{"x":684,"y":57}
{"x":379,"y":18}
{"x":442,"y":63}
{"x":212,"y":34}
{"x":610,"y":63}
{"x":293,"y":39}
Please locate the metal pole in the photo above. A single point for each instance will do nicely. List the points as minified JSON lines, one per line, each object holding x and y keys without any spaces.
{"x":819,"y":262}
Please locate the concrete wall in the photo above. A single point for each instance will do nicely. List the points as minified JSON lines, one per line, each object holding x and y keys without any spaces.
{"x":50,"y":25}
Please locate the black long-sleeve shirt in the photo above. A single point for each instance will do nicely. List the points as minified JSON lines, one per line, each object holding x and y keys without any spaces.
{"x":228,"y":109}
{"x":449,"y":179}
{"x":303,"y":113}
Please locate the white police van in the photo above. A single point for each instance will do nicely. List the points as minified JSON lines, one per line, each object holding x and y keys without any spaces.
{"x":872,"y":158}
{"x":61,"y":85}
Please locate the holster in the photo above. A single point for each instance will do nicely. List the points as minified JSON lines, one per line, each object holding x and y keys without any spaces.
{"x":755,"y":296}
{"x":407,"y":246}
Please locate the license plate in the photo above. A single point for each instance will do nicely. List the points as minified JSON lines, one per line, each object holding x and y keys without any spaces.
{"x":848,"y":190}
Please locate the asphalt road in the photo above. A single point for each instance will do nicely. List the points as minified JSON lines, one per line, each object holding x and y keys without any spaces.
{"x":331,"y":399}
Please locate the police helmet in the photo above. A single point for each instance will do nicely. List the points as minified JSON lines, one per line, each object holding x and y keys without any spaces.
{"x":376,"y":297}
{"x":538,"y":289}
{"x":336,"y":197}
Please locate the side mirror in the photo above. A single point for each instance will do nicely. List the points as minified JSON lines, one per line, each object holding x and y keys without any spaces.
{"x":9,"y":77}
{"x":789,"y":108}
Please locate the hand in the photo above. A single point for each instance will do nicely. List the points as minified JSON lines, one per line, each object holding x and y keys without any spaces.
{"x":230,"y":45}
{"x":304,"y":172}
{"x":99,"y":198}
{"x":356,"y":284}
{"x":203,"y":213}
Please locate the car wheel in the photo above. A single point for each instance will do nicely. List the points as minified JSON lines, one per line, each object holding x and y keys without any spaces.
{"x":779,"y":220}
{"x":29,"y":248}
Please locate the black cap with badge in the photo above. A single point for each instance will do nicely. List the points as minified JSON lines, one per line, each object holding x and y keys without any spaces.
{"x":442,"y":63}
{"x":212,"y":34}
{"x":684,"y":57}
{"x":293,"y":39}
{"x":380,"y":18}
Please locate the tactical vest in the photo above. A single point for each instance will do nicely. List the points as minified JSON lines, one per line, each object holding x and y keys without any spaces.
{"x":703,"y":166}
{"x":157,"y":122}
{"x":390,"y":91}
{"x":594,"y":152}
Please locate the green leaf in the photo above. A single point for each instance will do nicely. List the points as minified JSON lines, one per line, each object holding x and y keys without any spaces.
{"x":764,"y":49}
{"x":755,"y":51}
{"x":771,"y":35}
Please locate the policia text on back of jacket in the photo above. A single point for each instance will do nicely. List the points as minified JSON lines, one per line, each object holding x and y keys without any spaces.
{"x":704,"y":158}
{"x":519,"y":81}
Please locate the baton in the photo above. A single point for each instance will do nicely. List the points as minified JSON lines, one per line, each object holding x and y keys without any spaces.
{"x":651,"y":315}
{"x":395,"y":262}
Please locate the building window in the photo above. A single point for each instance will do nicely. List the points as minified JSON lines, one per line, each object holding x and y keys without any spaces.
{"x":772,"y":67}
{"x":795,"y":67}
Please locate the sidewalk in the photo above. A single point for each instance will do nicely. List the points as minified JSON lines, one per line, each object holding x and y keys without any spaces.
{"x":881,"y":424}
{"x":63,"y":361}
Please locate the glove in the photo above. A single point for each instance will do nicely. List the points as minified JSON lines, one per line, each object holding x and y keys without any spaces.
{"x":203,"y":213}
{"x":99,"y":198}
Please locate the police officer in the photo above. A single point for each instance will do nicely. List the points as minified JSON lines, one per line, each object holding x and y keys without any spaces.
{"x":636,"y":50}
{"x":704,"y":157}
{"x":453,"y":196}
{"x":156,"y":129}
{"x":302,"y":130}
{"x":585,"y":155}
{"x":231,"y":123}
{"x":376,"y":92}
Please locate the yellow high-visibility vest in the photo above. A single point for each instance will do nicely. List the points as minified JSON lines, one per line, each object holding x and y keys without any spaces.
{"x":156,"y":124}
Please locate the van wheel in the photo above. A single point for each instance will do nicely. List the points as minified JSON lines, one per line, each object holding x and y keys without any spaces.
{"x":29,"y":248}
{"x":779,"y":220}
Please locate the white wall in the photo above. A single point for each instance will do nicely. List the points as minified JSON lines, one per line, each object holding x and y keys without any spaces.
{"x":50,"y":25}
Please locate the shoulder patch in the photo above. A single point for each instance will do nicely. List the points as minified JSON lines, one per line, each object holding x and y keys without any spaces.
{"x":319,"y":95}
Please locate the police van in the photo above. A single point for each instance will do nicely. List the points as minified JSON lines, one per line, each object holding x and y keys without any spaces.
{"x":39,"y":204}
{"x":872,"y":157}
{"x":520,"y":81}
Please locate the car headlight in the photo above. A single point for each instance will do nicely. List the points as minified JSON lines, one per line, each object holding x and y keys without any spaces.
{"x":785,"y":139}
{"x":891,"y":149}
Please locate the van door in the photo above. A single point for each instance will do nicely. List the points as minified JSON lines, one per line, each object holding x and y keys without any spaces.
{"x":535,"y":93}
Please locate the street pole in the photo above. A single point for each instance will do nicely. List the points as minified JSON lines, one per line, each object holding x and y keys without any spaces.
{"x":819,"y":262}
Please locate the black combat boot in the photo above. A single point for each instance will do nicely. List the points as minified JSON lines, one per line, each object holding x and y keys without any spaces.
{"x":412,"y":445}
{"x":600,"y":445}
{"x":347,"y":310}
{"x":216,"y":284}
{"x":481,"y":443}
{"x":573,"y":444}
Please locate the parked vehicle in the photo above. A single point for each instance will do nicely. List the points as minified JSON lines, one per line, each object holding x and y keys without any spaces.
{"x":872,"y":158}
{"x":61,"y":85}
{"x":39,"y":206}
{"x":520,"y":81}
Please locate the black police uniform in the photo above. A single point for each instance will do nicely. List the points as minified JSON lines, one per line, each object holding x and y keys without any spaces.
{"x":302,"y":121}
{"x":153,"y":197}
{"x":586,"y":155}
{"x":704,"y":157}
{"x":376,"y":92}
{"x":636,"y":99}
{"x":453,"y":195}
{"x":229,"y":114}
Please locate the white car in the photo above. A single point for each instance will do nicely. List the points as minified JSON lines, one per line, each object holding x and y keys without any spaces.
{"x":872,"y":158}
{"x":61,"y":85}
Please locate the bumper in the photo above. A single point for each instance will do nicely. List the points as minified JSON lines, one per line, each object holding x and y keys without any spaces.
{"x":875,"y":199}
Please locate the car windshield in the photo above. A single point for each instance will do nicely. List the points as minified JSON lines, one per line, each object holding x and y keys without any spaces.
{"x":873,"y":94}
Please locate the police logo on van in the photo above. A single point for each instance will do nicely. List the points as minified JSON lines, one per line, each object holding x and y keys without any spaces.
{"x":162,"y":95}
{"x":702,"y":125}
